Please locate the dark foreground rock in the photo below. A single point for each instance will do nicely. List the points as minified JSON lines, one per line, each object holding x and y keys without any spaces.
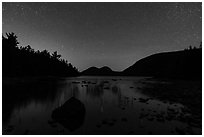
{"x":71,"y":114}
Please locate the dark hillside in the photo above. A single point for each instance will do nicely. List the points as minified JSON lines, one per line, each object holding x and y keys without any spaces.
{"x":179,"y":64}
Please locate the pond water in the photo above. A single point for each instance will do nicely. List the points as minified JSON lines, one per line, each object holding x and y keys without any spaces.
{"x":111,"y":105}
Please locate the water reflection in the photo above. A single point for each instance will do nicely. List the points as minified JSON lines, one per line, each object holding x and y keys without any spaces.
{"x":95,"y":91}
{"x":115,"y":90}
{"x":19,"y":96}
{"x":87,"y":105}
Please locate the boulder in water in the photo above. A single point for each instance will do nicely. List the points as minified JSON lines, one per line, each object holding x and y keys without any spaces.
{"x":71,"y":114}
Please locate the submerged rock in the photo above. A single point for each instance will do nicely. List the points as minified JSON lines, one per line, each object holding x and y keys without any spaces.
{"x":124,"y":119}
{"x":98,"y":126}
{"x":114,"y":120}
{"x":105,"y":81}
{"x":51,"y":122}
{"x":142,"y":115}
{"x":106,"y":88}
{"x":104,"y":122}
{"x":123,"y":108}
{"x":111,"y":124}
{"x":180,"y":131}
{"x":150,"y":118}
{"x":71,"y":114}
{"x":8,"y":129}
{"x":75,"y":82}
{"x":143,"y":100}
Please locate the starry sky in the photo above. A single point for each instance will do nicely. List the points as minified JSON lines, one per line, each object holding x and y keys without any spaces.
{"x":104,"y":34}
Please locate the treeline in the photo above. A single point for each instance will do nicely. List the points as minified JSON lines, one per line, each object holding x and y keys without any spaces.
{"x":193,"y":47}
{"x":25,"y":61}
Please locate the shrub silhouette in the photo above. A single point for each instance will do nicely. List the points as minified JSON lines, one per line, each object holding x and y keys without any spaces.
{"x":25,"y":61}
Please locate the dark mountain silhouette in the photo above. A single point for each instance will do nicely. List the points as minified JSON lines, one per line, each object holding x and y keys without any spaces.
{"x":185,"y":64}
{"x":25,"y":61}
{"x":103,"y":71}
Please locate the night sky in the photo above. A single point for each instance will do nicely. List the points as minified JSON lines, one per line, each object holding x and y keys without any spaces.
{"x":104,"y":34}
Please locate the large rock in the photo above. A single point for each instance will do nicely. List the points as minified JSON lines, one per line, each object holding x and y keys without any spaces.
{"x":71,"y":114}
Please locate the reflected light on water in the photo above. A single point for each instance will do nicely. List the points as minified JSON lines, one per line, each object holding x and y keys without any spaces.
{"x":112,"y":106}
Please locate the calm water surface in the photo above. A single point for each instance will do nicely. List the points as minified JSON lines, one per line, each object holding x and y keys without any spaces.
{"x":113,"y":105}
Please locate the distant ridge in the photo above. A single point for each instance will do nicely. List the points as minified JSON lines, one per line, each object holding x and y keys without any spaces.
{"x":186,"y":64}
{"x":103,"y":71}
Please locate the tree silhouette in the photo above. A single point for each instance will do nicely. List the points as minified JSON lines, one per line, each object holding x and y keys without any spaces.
{"x":12,"y":39}
{"x":55,"y":55}
{"x":200,"y":45}
{"x":194,"y":48}
{"x":25,"y":61}
{"x":190,"y":47}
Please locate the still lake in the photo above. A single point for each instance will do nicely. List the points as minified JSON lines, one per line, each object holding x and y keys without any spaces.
{"x":113,"y":105}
